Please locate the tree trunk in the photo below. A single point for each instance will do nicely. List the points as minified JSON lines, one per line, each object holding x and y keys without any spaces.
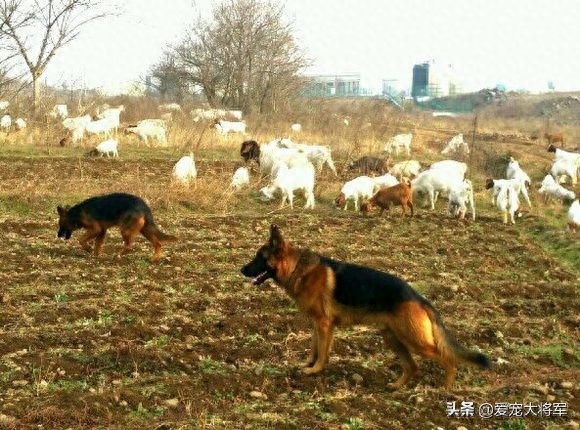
{"x":35,"y":91}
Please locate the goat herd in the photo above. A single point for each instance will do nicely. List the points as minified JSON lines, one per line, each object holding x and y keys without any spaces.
{"x":292,"y":166}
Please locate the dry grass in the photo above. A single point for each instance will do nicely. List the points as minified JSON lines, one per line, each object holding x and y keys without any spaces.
{"x":119,"y":343}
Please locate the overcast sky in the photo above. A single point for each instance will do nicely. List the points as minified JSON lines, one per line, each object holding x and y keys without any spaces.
{"x":520,"y":43}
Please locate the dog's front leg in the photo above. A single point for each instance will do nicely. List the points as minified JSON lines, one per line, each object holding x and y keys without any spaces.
{"x":323,"y":329}
{"x":314,"y":350}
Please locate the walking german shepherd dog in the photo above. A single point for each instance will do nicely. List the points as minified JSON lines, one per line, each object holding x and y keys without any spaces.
{"x":333,"y":293}
{"x":97,"y":214}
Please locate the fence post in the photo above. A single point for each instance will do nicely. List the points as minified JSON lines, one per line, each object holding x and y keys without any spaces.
{"x":473,"y":134}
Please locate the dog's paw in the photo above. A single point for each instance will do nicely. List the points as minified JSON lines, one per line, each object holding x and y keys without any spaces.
{"x":312,"y":370}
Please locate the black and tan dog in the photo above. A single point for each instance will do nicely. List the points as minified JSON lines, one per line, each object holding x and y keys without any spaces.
{"x":332,"y":293}
{"x":97,"y":214}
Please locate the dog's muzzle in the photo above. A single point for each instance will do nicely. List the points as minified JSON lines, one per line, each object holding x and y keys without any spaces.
{"x":64,"y":234}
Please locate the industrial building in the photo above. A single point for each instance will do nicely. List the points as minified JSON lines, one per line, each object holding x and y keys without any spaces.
{"x":432,"y":79}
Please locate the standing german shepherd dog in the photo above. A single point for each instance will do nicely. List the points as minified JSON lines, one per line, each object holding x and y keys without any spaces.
{"x":333,"y":293}
{"x":97,"y":214}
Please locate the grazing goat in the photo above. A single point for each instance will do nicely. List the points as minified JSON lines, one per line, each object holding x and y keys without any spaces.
{"x":555,"y":138}
{"x":440,"y":178}
{"x":59,"y":112}
{"x":357,"y":190}
{"x":574,"y":216}
{"x":107,"y":147}
{"x":407,"y":169}
{"x":200,"y":114}
{"x":561,"y":154}
{"x":460,"y":196}
{"x":384,"y":181}
{"x":20,"y":123}
{"x":240,"y":178}
{"x":456,"y":144}
{"x":5,"y":122}
{"x":397,"y":194}
{"x":172,"y":107}
{"x":550,"y":188}
{"x":399,"y":141}
{"x":369,"y":164}
{"x":268,"y":154}
{"x":563,"y":168}
{"x":518,"y":185}
{"x":514,"y":171}
{"x":225,"y":127}
{"x":296,"y":128}
{"x":149,"y":128}
{"x":289,"y":179}
{"x":104,"y":125}
{"x":318,"y":155}
{"x":184,"y":170}
{"x":507,"y":202}
{"x":77,"y":126}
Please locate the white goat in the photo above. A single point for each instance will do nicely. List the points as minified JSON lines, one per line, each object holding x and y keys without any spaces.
{"x":289,"y":179}
{"x":399,"y":141}
{"x":172,"y":107}
{"x":318,"y":155}
{"x":240,"y":178}
{"x":103,"y":126}
{"x":550,"y":188}
{"x":517,"y":184}
{"x":455,"y":144}
{"x":560,"y":154}
{"x":460,"y":196}
{"x":225,"y":127}
{"x":440,"y":178}
{"x":108,"y":148}
{"x":453,"y":167}
{"x":4,"y":105}
{"x":200,"y":114}
{"x":507,"y":202}
{"x":184,"y":170}
{"x":514,"y":171}
{"x":5,"y":122}
{"x":20,"y":123}
{"x":408,"y":169}
{"x":564,"y":167}
{"x":59,"y":112}
{"x":237,"y":114}
{"x":270,"y":153}
{"x":150,"y":128}
{"x":296,"y":128}
{"x":574,"y":216}
{"x":357,"y":190}
{"x":384,"y":181}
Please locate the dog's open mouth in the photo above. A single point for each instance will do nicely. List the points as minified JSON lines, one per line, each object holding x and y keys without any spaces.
{"x":260,"y":278}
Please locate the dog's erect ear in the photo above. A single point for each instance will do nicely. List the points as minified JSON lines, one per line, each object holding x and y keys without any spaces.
{"x":60,"y":210}
{"x":276,"y":238}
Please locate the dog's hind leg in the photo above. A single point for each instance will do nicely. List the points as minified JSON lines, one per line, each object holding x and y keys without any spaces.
{"x":130,"y":227}
{"x":323,"y":327}
{"x":151,"y":236}
{"x":407,"y":362}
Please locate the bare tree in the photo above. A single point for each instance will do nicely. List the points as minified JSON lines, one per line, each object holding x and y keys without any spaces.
{"x":244,"y":57}
{"x":37,"y":29}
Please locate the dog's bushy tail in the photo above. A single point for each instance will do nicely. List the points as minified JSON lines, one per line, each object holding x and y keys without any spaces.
{"x":151,"y":228}
{"x":448,"y":347}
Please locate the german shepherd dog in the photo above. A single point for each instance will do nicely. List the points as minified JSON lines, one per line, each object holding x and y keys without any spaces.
{"x":97,"y":214}
{"x":333,"y":293}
